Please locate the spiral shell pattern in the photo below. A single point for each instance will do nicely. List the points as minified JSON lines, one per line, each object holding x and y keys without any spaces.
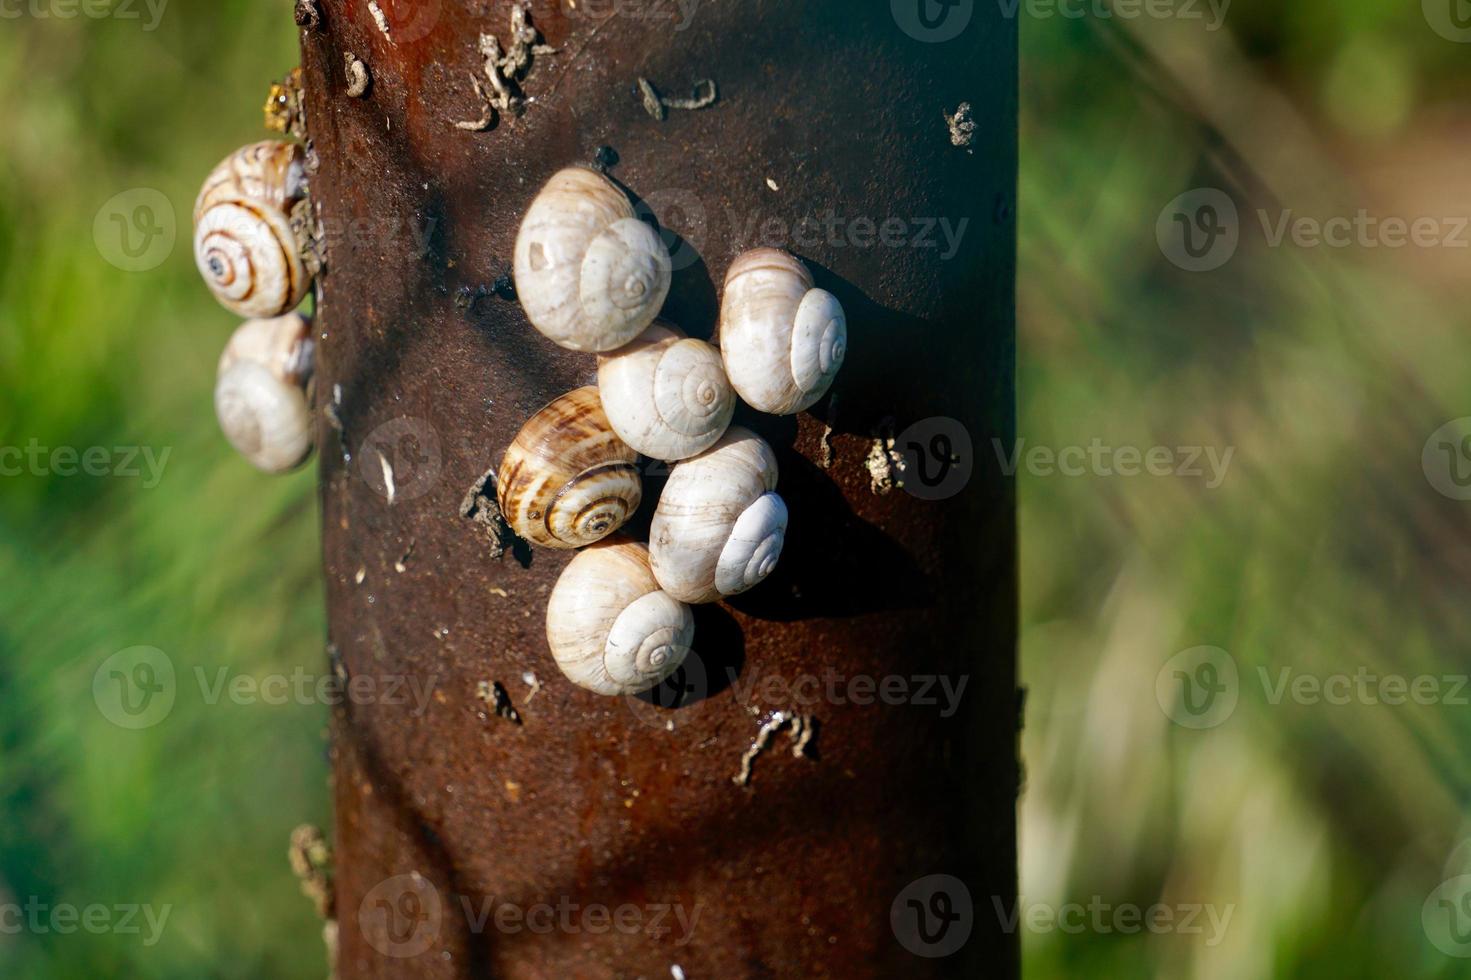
{"x":611,"y":630}
{"x":283,"y":344}
{"x":567,"y":480}
{"x":666,"y":394}
{"x":589,"y":274}
{"x":244,"y":242}
{"x":261,"y":392}
{"x":719,"y":527}
{"x":754,"y":546}
{"x":783,"y":341}
{"x":266,"y":419}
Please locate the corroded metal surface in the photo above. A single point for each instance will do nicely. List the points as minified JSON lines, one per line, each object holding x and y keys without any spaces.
{"x":471,"y":845}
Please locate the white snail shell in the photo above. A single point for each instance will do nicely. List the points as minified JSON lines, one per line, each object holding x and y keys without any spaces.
{"x":719,"y":526}
{"x":666,"y":394}
{"x":611,"y":629}
{"x":260,"y":394}
{"x":567,"y":480}
{"x":783,"y":341}
{"x":284,"y":344}
{"x":245,"y":243}
{"x":589,"y":274}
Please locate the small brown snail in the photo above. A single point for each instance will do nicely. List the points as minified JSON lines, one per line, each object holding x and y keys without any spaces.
{"x":610,"y":627}
{"x":719,"y":526}
{"x":567,"y":480}
{"x":589,"y":274}
{"x":666,"y":394}
{"x":260,"y":392}
{"x":783,"y":341}
{"x":247,"y":238}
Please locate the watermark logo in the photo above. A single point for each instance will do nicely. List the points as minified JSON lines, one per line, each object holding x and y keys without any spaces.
{"x":833,"y":230}
{"x":1199,"y":687}
{"x":40,"y":918}
{"x":681,"y":209}
{"x":938,"y":458}
{"x":933,"y":917}
{"x":688,"y":684}
{"x":1362,"y":687}
{"x":404,"y":21}
{"x":1199,"y":230}
{"x":402,"y":917}
{"x":1105,"y":918}
{"x":90,"y":9}
{"x":1446,"y":916}
{"x":679,"y":13}
{"x":932,"y":21}
{"x":1207,"y":463}
{"x":69,"y":461}
{"x":655,"y":920}
{"x":1446,"y":459}
{"x":1213,"y":12}
{"x":401,"y":459}
{"x":135,"y":688}
{"x":388,"y":232}
{"x":306,"y":689}
{"x":1451,"y":19}
{"x":135,"y":230}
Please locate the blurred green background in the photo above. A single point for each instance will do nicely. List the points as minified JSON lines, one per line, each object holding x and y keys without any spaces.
{"x":1323,"y":827}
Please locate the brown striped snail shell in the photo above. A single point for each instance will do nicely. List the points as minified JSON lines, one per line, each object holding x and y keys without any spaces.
{"x":610,"y":627}
{"x":783,"y":341}
{"x":260,"y":392}
{"x":589,"y":274}
{"x":666,"y":394}
{"x":720,"y":526}
{"x":567,"y":480}
{"x":246,"y":243}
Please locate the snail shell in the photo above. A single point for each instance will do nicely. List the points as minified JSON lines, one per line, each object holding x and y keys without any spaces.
{"x":783,"y":341}
{"x":611,"y":629}
{"x":245,"y":243}
{"x":719,"y":526}
{"x":260,"y":394}
{"x":568,"y":480}
{"x":589,"y":274}
{"x":284,"y":344}
{"x":666,"y":394}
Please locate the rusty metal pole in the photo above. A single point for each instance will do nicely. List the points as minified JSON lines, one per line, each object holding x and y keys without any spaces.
{"x":602,"y":837}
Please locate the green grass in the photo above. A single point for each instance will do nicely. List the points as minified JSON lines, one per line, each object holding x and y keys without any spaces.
{"x":216,"y":565}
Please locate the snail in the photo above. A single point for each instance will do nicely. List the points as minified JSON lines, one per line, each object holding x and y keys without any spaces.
{"x":666,"y":394}
{"x":783,"y":341}
{"x":610,"y":627}
{"x":719,"y":526}
{"x":589,"y":274}
{"x":260,"y":394}
{"x":246,"y":241}
{"x":568,"y":480}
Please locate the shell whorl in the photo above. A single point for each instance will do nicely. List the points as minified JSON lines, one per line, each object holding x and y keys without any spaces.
{"x":783,"y":340}
{"x":754,"y":546}
{"x":264,"y":417}
{"x":567,"y":480}
{"x":719,"y":527}
{"x":260,"y":391}
{"x":610,"y":628}
{"x":589,"y":274}
{"x":245,"y":244}
{"x":666,"y":394}
{"x":283,"y":344}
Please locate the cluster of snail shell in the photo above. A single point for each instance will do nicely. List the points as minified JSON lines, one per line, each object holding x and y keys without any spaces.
{"x":592,"y":277}
{"x":251,"y":249}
